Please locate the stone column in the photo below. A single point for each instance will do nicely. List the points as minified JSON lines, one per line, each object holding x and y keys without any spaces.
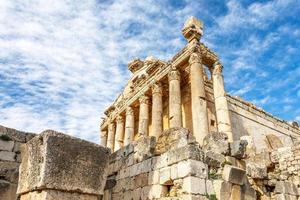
{"x":222,"y":111}
{"x":175,"y":117}
{"x":103,"y":138}
{"x":157,"y":110}
{"x":198,"y":98}
{"x":129,"y":126}
{"x":111,"y":136}
{"x":144,"y":115}
{"x":119,"y":133}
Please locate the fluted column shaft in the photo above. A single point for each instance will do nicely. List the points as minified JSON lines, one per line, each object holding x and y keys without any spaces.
{"x":119,"y":133}
{"x":221,"y":105}
{"x":103,"y":138}
{"x":175,"y":115}
{"x":144,"y":116}
{"x":198,"y":98}
{"x":111,"y":136}
{"x":129,"y":126}
{"x":157,"y":110}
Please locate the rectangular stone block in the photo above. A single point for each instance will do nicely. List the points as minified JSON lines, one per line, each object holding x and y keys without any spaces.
{"x":157,"y":191}
{"x":194,"y":185}
{"x":7,"y":156}
{"x":165,"y":176}
{"x":6,"y":145}
{"x":234,"y":174}
{"x":153,"y":177}
{"x":54,"y":160}
{"x":192,"y":168}
{"x":222,"y":189}
{"x":283,"y":187}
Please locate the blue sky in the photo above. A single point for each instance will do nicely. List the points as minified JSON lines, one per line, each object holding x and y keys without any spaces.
{"x":62,"y":62}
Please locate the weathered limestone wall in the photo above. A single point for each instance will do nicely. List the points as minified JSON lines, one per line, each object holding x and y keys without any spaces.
{"x":57,"y":166}
{"x":10,"y":159}
{"x":247,"y":120}
{"x":175,"y":167}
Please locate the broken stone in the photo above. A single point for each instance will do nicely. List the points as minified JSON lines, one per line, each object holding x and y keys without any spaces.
{"x":238,"y":149}
{"x":256,"y":171}
{"x":214,"y":160}
{"x":144,"y":148}
{"x":192,"y":168}
{"x":286,"y":188}
{"x":173,"y":138}
{"x":217,"y":142}
{"x":222,"y":189}
{"x":233,"y":174}
{"x":194,"y":185}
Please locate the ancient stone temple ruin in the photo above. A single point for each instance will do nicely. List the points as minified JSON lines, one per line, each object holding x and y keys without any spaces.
{"x":172,"y":134}
{"x":177,"y":134}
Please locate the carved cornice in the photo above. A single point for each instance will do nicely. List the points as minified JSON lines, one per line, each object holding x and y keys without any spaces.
{"x":109,"y":110}
{"x":157,"y":88}
{"x":195,"y":58}
{"x":174,"y":75}
{"x":144,"y":99}
{"x":217,"y":68}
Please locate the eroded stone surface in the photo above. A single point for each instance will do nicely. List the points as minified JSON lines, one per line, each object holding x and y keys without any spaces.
{"x":53,"y":160}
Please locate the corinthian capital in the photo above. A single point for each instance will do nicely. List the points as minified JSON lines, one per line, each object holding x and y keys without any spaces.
{"x":120,"y":119}
{"x":144,"y":99}
{"x":157,"y":88}
{"x":129,"y":110}
{"x":174,"y":75}
{"x":217,"y":68}
{"x":195,"y":58}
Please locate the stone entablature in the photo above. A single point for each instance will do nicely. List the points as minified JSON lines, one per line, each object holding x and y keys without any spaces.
{"x":236,"y":101}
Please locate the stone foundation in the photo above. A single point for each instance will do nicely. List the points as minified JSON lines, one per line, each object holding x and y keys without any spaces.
{"x":174,"y":167}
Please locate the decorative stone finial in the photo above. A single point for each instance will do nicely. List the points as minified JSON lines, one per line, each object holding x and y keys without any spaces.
{"x":192,"y":29}
{"x":135,"y":65}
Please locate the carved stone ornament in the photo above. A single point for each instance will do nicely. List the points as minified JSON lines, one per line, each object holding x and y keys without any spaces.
{"x":218,"y":68}
{"x":120,"y":119}
{"x":174,"y":75}
{"x":157,"y":88}
{"x":193,"y":29}
{"x":195,"y":58}
{"x":135,"y":65}
{"x":144,"y":99}
{"x":129,"y":110}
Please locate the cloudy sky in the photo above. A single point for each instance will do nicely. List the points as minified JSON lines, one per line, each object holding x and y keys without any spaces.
{"x":63,"y":61}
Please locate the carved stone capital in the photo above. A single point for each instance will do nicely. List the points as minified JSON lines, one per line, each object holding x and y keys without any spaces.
{"x":144,"y":99}
{"x":120,"y":119}
{"x":195,"y":58}
{"x":174,"y":75}
{"x":217,"y":68}
{"x":157,"y":88}
{"x":129,"y":110}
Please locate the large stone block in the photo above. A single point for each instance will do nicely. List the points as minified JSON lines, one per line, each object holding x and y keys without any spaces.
{"x":217,"y":142}
{"x":194,"y":185}
{"x":286,"y":188}
{"x":172,"y":139}
{"x":57,"y":195}
{"x":234,"y":175}
{"x":54,"y":160}
{"x":6,"y":145}
{"x":7,"y":190}
{"x":192,"y":168}
{"x":222,"y":189}
{"x":7,"y":156}
{"x":144,"y":148}
{"x":238,"y":148}
{"x":9,"y":171}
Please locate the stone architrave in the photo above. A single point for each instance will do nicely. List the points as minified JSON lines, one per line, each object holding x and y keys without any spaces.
{"x":119,"y":133}
{"x":157,"y":110}
{"x":144,"y":116}
{"x":198,"y":98}
{"x":129,"y":126}
{"x":111,"y":136}
{"x":175,"y":115}
{"x":222,"y":111}
{"x":57,"y":166}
